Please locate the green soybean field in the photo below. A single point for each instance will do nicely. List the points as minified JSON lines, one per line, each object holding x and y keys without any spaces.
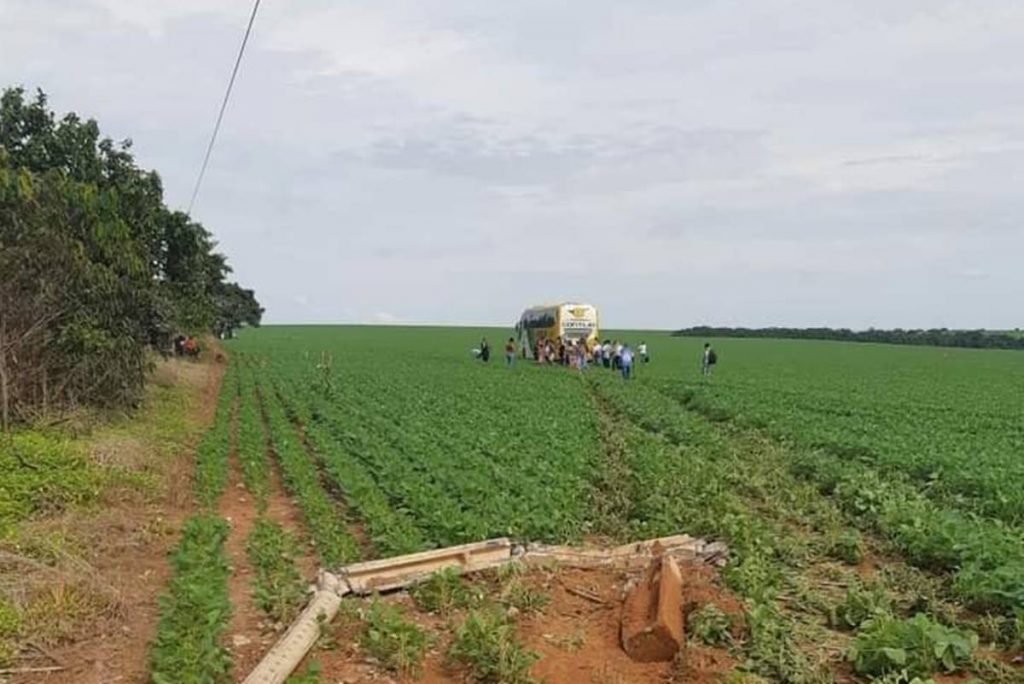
{"x":872,"y":496}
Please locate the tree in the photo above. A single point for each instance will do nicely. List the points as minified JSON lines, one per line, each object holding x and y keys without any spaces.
{"x":95,"y":267}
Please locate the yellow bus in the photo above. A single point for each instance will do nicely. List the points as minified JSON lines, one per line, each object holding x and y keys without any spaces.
{"x":569,"y":321}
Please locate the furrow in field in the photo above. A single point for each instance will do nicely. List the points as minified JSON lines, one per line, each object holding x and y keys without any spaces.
{"x":324,"y":519}
{"x":390,"y":531}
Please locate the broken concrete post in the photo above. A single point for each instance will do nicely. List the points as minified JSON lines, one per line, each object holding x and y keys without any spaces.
{"x":652,"y":615}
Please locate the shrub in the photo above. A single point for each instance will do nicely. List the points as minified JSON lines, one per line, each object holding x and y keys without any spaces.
{"x":917,"y":646}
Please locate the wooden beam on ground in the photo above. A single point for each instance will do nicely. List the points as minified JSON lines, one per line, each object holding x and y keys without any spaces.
{"x":395,"y":573}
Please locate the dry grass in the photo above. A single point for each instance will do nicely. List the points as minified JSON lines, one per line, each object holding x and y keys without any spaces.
{"x":60,"y":573}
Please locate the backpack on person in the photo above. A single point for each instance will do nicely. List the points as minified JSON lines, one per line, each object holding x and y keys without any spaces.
{"x":712,"y":358}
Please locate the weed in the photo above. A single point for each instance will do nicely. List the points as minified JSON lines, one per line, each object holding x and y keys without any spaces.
{"x":520,"y":596}
{"x":917,"y":646}
{"x":710,"y":626}
{"x":10,"y":627}
{"x":444,"y":592}
{"x":43,"y":474}
{"x":387,"y":636}
{"x":845,"y":545}
{"x":311,"y":675}
{"x":486,"y":644}
{"x":570,"y":642}
{"x":770,"y":650}
{"x":860,"y":604}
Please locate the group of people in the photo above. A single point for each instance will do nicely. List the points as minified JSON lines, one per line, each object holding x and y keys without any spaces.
{"x":576,"y":353}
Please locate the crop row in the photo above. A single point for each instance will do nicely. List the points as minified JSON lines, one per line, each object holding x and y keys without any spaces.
{"x":214,"y":449}
{"x":335,"y":545}
{"x":195,"y":608}
{"x":947,"y":420}
{"x":467,"y":463}
{"x":252,"y":444}
{"x":278,"y":588}
{"x":390,"y":531}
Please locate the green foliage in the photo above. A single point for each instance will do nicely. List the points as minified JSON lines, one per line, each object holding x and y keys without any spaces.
{"x":861,"y":603}
{"x":523,"y":598}
{"x":771,"y":652}
{"x":96,"y":267}
{"x":846,"y":546}
{"x":444,"y":592}
{"x":430,"y":450}
{"x":917,"y":646}
{"x":214,"y":450}
{"x":311,"y":675}
{"x":10,"y":627}
{"x":710,"y":626}
{"x":252,"y":446}
{"x":397,"y":643}
{"x":278,"y":586}
{"x":334,"y":544}
{"x":486,"y":645}
{"x":195,"y":609}
{"x":42,"y":474}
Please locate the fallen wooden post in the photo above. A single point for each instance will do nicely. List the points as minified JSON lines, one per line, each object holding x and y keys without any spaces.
{"x":652,"y":615}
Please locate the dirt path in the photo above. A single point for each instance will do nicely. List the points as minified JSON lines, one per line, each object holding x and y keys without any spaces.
{"x":284,"y":511}
{"x":123,"y":562}
{"x":238,"y":507}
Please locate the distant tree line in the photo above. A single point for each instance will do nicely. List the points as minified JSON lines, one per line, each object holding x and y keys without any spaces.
{"x":95,"y":270}
{"x":935,"y":337}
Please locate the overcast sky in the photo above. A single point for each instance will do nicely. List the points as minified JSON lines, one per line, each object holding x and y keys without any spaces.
{"x":789,"y":162}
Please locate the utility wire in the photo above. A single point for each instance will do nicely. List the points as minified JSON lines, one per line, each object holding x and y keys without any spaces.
{"x":223,"y":106}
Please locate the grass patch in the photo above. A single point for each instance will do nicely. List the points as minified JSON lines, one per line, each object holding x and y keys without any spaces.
{"x":43,"y":474}
{"x":523,"y":598}
{"x":397,"y":643}
{"x":444,"y":592}
{"x":487,"y":646}
{"x":10,"y":627}
{"x":710,"y":626}
{"x":311,"y":675}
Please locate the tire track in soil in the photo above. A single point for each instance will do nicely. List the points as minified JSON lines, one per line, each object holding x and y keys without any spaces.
{"x":611,"y":499}
{"x":238,"y":506}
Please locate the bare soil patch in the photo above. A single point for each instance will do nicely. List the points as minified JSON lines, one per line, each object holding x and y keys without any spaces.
{"x":247,"y":628}
{"x":576,"y":634}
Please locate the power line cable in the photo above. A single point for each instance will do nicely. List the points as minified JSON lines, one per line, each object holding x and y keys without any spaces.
{"x":223,"y":105}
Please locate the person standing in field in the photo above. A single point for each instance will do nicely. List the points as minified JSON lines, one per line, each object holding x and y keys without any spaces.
{"x":510,"y":352}
{"x":485,"y":350}
{"x":626,"y":361}
{"x":606,"y":354}
{"x":641,"y":351}
{"x":709,"y":359}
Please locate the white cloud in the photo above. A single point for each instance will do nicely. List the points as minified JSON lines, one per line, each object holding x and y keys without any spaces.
{"x":450,"y":160}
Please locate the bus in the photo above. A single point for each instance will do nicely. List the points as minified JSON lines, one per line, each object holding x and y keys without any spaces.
{"x":569,"y":321}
